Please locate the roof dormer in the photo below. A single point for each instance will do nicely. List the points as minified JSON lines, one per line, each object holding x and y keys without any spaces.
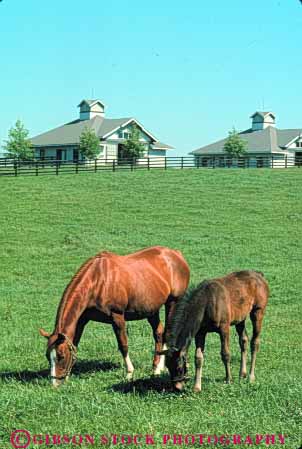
{"x":262,"y":120}
{"x":91,"y":108}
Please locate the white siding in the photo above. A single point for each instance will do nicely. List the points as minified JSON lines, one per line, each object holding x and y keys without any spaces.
{"x":111,"y":151}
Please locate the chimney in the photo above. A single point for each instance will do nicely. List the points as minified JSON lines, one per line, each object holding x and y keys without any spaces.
{"x":262,"y":120}
{"x":90,"y":109}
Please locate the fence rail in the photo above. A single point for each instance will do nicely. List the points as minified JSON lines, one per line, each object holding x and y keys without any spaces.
{"x":37,"y":167}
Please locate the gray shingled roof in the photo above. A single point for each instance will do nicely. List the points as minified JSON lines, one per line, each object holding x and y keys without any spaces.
{"x":287,"y":135}
{"x":161,"y":146}
{"x":70,"y":132}
{"x":269,"y":140}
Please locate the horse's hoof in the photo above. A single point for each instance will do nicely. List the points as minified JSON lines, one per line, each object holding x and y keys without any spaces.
{"x":242,"y":376}
{"x":129,"y":376}
{"x":197,"y":389}
{"x":252,"y":379}
{"x":157,"y":372}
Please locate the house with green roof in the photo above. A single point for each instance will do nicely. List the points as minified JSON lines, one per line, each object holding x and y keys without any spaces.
{"x":264,"y":143}
{"x":62,"y":143}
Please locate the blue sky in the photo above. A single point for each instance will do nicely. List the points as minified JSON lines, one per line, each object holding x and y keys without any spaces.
{"x":189,"y":71}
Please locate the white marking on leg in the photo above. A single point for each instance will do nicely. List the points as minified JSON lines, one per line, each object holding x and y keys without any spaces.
{"x":161,"y":364}
{"x":198,"y":369}
{"x":53,"y":367}
{"x":129,"y":367}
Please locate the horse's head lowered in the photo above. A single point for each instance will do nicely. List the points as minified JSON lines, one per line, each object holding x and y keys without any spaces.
{"x":176,"y":362}
{"x":61,"y":354}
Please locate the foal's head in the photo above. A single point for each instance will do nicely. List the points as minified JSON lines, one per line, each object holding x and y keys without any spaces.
{"x":61,"y":354}
{"x":176,"y":362}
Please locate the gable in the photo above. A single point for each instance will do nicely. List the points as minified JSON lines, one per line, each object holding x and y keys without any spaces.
{"x":126,"y":128}
{"x":287,"y":138}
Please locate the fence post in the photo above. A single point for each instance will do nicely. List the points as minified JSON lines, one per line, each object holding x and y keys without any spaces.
{"x":113,"y":165}
{"x":77,"y":167}
{"x":148,"y":163}
{"x":16,"y":168}
{"x":213,"y":162}
{"x":57,"y":167}
{"x":272,"y":161}
{"x":286,"y":161}
{"x":95,"y":165}
{"x":165,"y":163}
{"x":182,"y":162}
{"x":37,"y":168}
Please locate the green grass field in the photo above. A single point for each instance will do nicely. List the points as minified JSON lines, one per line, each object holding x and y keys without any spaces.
{"x":222,"y":220}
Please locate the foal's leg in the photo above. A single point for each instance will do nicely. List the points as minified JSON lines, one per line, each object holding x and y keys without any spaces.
{"x":199,"y":357}
{"x":243,"y":342}
{"x":224,"y":333}
{"x":158,"y":331}
{"x":119,"y":327}
{"x":256,"y":318}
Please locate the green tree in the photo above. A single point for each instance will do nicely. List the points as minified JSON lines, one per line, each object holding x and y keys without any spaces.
{"x":18,"y":145}
{"x":89,"y":143}
{"x":133,"y":147}
{"x":235,"y":146}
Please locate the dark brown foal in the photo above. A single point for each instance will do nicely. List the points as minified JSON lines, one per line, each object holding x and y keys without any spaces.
{"x":214,"y":306}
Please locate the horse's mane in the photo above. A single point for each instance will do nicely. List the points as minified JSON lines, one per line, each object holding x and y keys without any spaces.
{"x":71,"y":285}
{"x":187,"y":317}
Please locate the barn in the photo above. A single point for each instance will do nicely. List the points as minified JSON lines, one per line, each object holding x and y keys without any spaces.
{"x":62,"y":143}
{"x":266,"y":144}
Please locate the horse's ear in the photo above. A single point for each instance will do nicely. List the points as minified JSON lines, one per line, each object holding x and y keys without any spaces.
{"x":43,"y":333}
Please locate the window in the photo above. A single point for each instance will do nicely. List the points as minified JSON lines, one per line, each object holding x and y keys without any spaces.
{"x":75,"y":155}
{"x":123,"y":134}
{"x":221,"y":162}
{"x":260,"y":162}
{"x":228,"y":162}
{"x":298,"y":158}
{"x":204,"y":162}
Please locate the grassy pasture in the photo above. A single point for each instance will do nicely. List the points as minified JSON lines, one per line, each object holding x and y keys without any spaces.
{"x":222,"y":220}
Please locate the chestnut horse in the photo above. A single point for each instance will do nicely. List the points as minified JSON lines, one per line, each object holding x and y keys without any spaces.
{"x":113,"y":289}
{"x":214,"y":306}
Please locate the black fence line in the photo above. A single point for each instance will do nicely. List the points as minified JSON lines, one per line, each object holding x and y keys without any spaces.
{"x":37,"y":167}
